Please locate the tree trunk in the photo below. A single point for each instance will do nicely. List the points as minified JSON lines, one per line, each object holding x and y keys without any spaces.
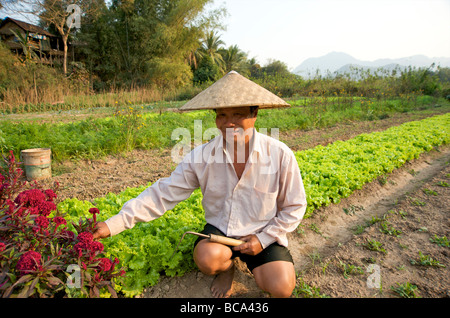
{"x":64,"y":38}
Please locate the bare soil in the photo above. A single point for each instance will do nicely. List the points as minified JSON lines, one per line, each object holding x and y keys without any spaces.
{"x":325,"y":244}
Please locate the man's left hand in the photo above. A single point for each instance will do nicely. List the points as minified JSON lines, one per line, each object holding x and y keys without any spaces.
{"x":252,"y":246}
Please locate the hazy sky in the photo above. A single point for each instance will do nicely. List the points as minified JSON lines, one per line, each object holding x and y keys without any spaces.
{"x":294,"y":30}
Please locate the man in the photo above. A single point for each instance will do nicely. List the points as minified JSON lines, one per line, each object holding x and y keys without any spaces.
{"x":252,"y":190}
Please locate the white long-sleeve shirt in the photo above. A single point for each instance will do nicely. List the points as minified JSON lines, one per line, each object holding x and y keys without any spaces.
{"x":268,"y":200}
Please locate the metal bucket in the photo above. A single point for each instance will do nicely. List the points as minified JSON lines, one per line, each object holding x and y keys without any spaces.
{"x":37,"y":163}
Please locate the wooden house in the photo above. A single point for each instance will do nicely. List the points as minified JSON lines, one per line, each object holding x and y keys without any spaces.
{"x":47,"y":46}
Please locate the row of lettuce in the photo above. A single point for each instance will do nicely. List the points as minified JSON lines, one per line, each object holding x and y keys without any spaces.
{"x":329,"y":173}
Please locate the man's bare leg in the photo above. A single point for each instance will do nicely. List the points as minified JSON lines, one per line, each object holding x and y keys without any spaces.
{"x":222,"y":285}
{"x":277,"y":278}
{"x":215,"y":259}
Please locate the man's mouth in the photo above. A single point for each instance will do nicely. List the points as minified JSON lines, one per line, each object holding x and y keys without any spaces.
{"x":234,"y":132}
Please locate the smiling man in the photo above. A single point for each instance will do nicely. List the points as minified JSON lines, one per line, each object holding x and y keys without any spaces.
{"x":251,"y":185}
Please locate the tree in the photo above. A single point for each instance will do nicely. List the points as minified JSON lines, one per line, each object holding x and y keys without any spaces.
{"x":211,"y":46}
{"x":275,"y":67}
{"x":206,"y":71}
{"x":148,"y":41}
{"x":254,"y":68}
{"x":27,"y":47}
{"x":234,"y":59}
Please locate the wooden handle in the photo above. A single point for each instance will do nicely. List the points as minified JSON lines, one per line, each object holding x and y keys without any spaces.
{"x":225,"y":240}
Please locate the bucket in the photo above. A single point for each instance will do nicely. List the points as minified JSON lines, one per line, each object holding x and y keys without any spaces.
{"x":37,"y":163}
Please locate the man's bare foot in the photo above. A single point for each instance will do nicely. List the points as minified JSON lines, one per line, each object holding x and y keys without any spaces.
{"x":221,"y":286}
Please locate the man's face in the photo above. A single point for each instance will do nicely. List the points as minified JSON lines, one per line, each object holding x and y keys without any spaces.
{"x":233,"y":122}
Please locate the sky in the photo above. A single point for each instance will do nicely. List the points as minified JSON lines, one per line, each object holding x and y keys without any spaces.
{"x":293,"y":30}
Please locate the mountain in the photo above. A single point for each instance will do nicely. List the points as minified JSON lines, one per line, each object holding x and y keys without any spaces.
{"x":339,"y":63}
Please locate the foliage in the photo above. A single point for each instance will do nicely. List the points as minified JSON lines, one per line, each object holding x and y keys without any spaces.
{"x":130,"y":120}
{"x":147,"y":249}
{"x":334,"y":172}
{"x":145,"y":42}
{"x":406,"y":290}
{"x":36,"y":246}
{"x":97,"y":137}
{"x":207,"y":71}
{"x":426,"y":260}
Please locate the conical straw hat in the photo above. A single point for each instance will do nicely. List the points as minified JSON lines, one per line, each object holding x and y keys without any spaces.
{"x":234,"y":90}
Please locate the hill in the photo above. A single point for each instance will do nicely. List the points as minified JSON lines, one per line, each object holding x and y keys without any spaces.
{"x":338,"y":63}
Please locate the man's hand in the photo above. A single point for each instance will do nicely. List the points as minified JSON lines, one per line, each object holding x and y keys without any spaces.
{"x":252,"y":246}
{"x":101,"y":231}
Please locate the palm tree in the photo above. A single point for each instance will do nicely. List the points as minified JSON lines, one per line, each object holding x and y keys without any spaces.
{"x":234,"y":59}
{"x":211,"y":46}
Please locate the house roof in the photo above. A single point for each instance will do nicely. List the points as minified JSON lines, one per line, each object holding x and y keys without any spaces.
{"x":27,"y":27}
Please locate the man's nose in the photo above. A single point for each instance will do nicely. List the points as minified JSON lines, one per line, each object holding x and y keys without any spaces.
{"x":229,"y":121}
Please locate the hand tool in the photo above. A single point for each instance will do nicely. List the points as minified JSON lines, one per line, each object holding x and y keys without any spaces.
{"x":213,"y":238}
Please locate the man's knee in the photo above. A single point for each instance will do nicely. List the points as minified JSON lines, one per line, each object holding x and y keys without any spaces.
{"x":212,"y":258}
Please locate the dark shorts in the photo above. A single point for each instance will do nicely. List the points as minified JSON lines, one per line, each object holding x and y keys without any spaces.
{"x":273,"y":252}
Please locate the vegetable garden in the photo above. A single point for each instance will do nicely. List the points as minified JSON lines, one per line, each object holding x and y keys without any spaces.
{"x":47,"y":244}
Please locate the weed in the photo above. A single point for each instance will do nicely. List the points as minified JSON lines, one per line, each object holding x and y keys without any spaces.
{"x":403,"y":214}
{"x":314,"y":256}
{"x":324,"y":267}
{"x":417,"y":202}
{"x":350,"y":269}
{"x":375,"y":246}
{"x":429,"y":192}
{"x":387,"y":228}
{"x":441,"y":241}
{"x":375,"y":219}
{"x":315,"y":229}
{"x":442,"y":184}
{"x":382,"y":180}
{"x":358,"y":229}
{"x":406,"y":290}
{"x":300,"y":229}
{"x":353,"y":209}
{"x":304,"y":290}
{"x":426,"y":260}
